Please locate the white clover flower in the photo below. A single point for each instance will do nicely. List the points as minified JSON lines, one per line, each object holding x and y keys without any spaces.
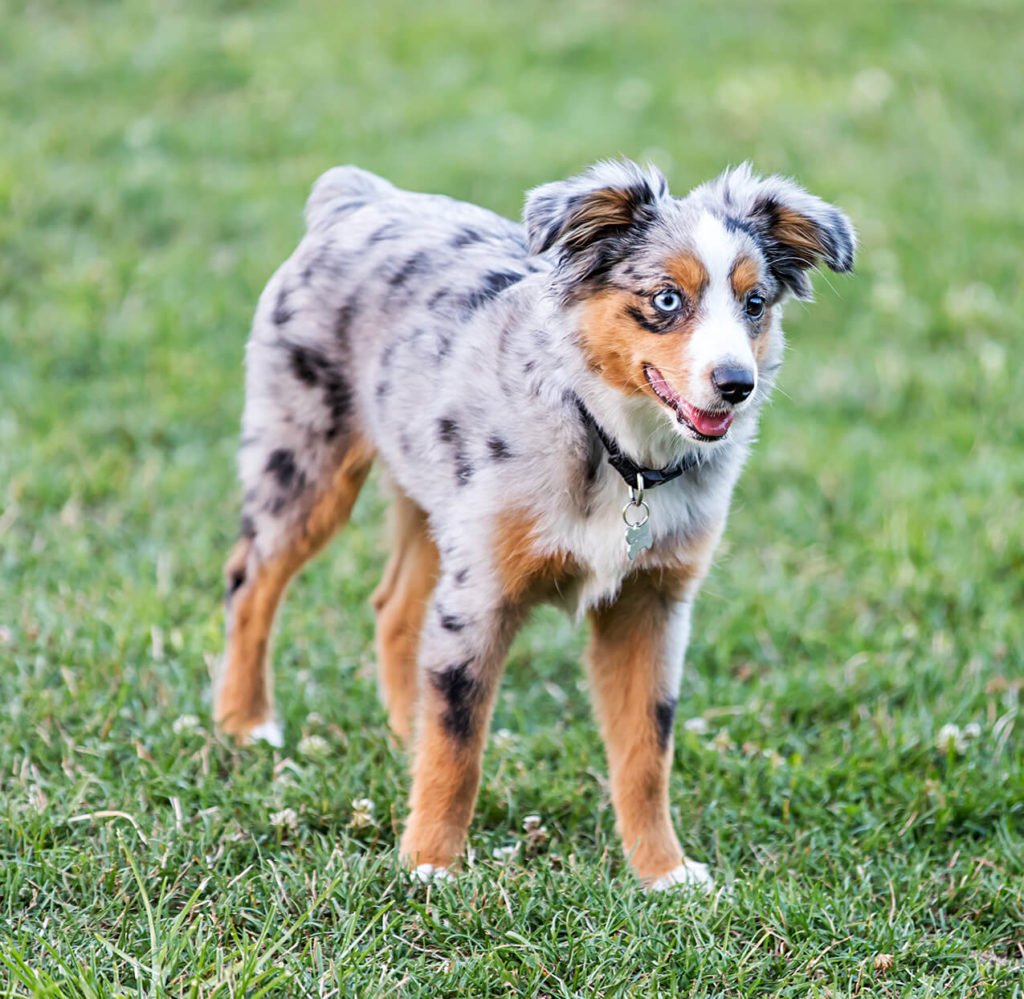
{"x":503,"y":739}
{"x":313,"y":745}
{"x":185,"y":723}
{"x":285,"y":819}
{"x":362,"y":814}
{"x":698,"y":726}
{"x":956,"y":738}
{"x":505,"y":853}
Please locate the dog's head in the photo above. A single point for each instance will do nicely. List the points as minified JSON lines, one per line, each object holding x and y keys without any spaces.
{"x":678,"y":299}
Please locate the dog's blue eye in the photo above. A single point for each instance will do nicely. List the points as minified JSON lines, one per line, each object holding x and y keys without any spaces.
{"x":668,"y":300}
{"x":755,"y":305}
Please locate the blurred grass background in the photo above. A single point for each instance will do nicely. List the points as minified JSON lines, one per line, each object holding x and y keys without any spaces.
{"x":154,"y":159}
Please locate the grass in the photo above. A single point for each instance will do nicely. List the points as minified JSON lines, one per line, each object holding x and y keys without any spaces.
{"x":154,"y":163}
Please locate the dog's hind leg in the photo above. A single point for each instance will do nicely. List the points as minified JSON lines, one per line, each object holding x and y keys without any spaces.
{"x":400,"y":602}
{"x":293,"y":505}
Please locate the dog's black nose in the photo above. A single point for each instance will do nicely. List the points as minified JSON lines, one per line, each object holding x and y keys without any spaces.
{"x":733,"y":383}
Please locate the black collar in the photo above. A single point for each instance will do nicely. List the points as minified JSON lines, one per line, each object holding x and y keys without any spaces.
{"x":629,"y":469}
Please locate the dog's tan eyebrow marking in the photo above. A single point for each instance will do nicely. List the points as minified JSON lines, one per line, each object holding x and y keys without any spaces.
{"x":689,"y":273}
{"x":744,"y":277}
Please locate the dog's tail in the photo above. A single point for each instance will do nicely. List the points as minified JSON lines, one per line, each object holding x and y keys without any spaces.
{"x":340,"y":190}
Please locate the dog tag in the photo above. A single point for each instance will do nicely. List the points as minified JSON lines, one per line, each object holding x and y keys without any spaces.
{"x":635,"y":515}
{"x":638,"y":538}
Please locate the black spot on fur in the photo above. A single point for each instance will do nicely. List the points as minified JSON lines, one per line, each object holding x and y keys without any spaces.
{"x":664,"y":719}
{"x":460,"y":692}
{"x":248,"y":527}
{"x":348,"y":207}
{"x":282,"y":312}
{"x":338,"y":399}
{"x":389,"y":230}
{"x":494,"y":283}
{"x":451,"y":622}
{"x":281,"y":464}
{"x":466,"y":237}
{"x":439,"y":296}
{"x":416,"y":264}
{"x":307,"y":365}
{"x":345,"y":318}
{"x":312,"y":368}
{"x":448,"y":430}
{"x":236,"y":580}
{"x":461,"y":576}
{"x":463,"y":468}
{"x":499,"y":448}
{"x":528,"y":366}
{"x":382,"y":389}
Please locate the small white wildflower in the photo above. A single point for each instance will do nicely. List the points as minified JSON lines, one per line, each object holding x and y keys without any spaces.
{"x":313,"y":745}
{"x":362,"y":814}
{"x":505,"y":853}
{"x":536,"y":834}
{"x":950,"y":737}
{"x":503,"y":739}
{"x":285,"y":819}
{"x":185,"y":723}
{"x":956,"y":738}
{"x":698,"y":726}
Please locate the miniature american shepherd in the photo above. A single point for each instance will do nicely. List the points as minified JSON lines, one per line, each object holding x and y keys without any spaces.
{"x":563,"y":407}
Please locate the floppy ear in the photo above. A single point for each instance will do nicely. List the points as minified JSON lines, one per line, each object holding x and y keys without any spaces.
{"x":589,"y":218}
{"x":795,"y":230}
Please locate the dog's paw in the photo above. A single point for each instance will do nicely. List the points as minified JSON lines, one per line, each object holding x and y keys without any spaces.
{"x":269,"y":732}
{"x":689,"y":874}
{"x":429,"y":874}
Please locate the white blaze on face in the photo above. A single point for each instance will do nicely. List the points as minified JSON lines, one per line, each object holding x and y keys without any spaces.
{"x":721,"y":336}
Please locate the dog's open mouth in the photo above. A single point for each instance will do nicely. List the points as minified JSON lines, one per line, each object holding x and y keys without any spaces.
{"x":705,"y":424}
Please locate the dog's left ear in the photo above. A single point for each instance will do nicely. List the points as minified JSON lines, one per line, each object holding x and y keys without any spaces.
{"x":584,"y":215}
{"x":795,"y":230}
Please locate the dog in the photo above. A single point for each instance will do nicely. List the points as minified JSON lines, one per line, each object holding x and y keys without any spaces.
{"x":563,"y":407}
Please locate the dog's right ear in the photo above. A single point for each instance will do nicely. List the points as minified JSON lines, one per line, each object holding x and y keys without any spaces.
{"x":580,"y":215}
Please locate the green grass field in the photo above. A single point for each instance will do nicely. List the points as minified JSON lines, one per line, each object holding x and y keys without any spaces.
{"x":154,"y":159}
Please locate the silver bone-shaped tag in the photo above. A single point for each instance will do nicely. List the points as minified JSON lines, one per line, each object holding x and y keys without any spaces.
{"x":638,"y":530}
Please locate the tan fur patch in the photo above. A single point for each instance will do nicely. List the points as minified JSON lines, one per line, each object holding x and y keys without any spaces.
{"x":524,"y":571}
{"x":445,"y":778}
{"x":690,"y":274}
{"x":401,"y":601}
{"x":626,"y":660}
{"x":744,"y":277}
{"x":799,"y":234}
{"x":617,"y":348}
{"x":608,"y":208}
{"x":244,"y":697}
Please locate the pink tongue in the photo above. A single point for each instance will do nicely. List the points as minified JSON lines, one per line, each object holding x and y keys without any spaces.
{"x":709,"y":424}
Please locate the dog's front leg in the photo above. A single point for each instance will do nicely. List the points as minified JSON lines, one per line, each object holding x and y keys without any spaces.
{"x":635,"y":660}
{"x":462,"y":654}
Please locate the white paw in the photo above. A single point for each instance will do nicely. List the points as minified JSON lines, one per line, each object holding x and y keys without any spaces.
{"x":688,"y":874}
{"x":269,"y":732}
{"x":429,"y":874}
